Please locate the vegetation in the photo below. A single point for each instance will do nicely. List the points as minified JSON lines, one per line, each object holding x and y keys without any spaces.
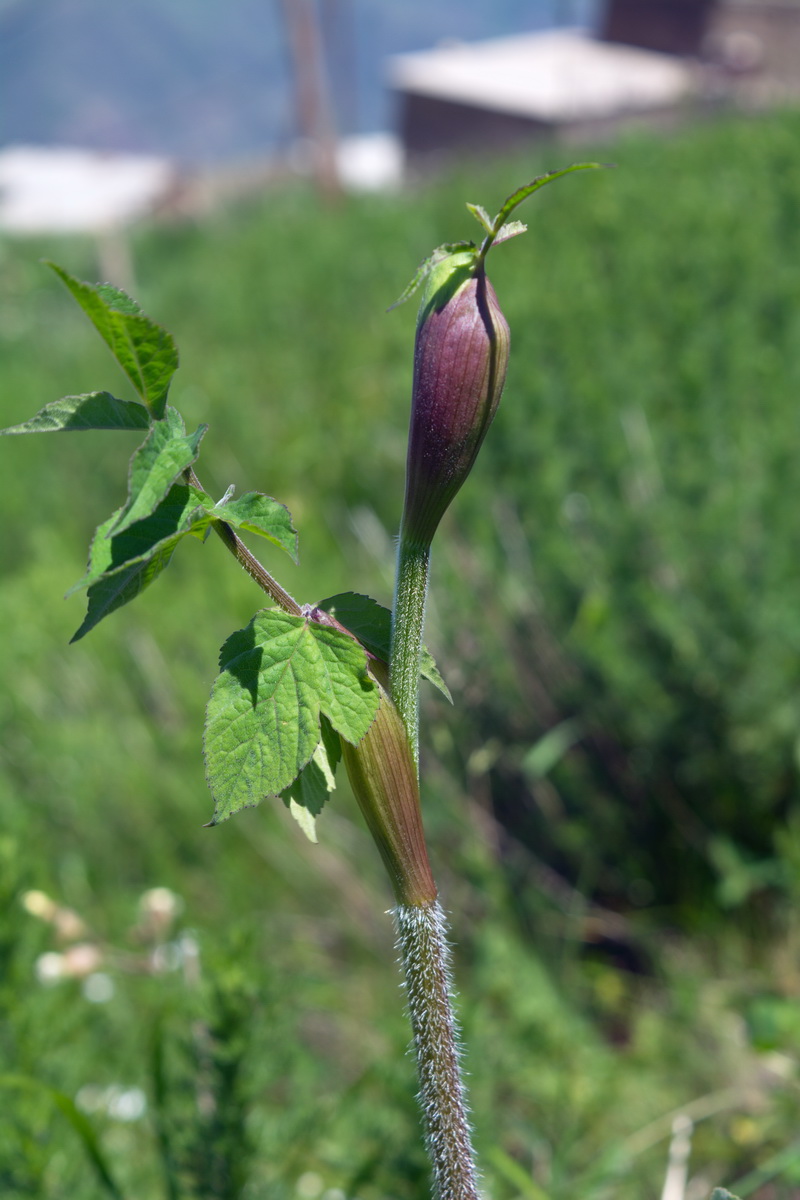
{"x":616,"y":616}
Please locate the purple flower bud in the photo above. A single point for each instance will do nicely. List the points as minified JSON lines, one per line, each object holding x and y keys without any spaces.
{"x":460,"y":361}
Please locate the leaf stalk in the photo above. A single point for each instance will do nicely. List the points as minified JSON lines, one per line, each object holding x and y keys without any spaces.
{"x":248,"y":560}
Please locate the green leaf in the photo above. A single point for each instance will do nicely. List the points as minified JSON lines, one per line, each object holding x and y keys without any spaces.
{"x":481,"y":216}
{"x":79,"y":1123}
{"x":332,"y":743}
{"x":551,"y":748}
{"x":145,"y":351}
{"x":95,"y":410}
{"x":164,"y":454}
{"x":425,"y":266}
{"x":523,"y":192}
{"x":372,"y":625}
{"x":123,"y":565}
{"x":514,"y":1173}
{"x":306,"y":797}
{"x":256,"y":513}
{"x":182,"y":510}
{"x":510,"y":230}
{"x":278,"y":675}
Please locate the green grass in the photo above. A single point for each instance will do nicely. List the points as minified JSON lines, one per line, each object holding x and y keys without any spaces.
{"x":624,"y":557}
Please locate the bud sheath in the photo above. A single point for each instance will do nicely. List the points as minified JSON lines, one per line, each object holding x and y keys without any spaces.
{"x":384,"y":780}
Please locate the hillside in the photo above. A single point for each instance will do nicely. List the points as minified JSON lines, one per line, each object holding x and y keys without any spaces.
{"x":171,"y":77}
{"x":612,"y":802}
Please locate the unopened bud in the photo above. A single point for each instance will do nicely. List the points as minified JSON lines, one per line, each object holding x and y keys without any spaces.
{"x":384,"y":781}
{"x":460,"y":362}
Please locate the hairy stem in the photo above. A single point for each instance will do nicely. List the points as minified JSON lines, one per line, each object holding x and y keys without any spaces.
{"x":425,"y":955}
{"x":408,"y":620}
{"x":247,"y":560}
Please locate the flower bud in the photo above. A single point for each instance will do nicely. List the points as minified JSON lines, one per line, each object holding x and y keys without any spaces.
{"x":384,"y":781}
{"x":460,"y":362}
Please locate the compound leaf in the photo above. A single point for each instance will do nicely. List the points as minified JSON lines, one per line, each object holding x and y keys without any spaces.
{"x":277,"y":677}
{"x":164,"y":454}
{"x":145,"y":351}
{"x":182,"y":510}
{"x":123,"y":565}
{"x":94,"y":410}
{"x":256,"y":513}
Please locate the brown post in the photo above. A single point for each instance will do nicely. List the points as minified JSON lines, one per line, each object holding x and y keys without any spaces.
{"x":313,"y":105}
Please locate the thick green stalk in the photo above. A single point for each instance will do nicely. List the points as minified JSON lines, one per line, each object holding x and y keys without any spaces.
{"x":425,"y":954}
{"x":408,"y":621}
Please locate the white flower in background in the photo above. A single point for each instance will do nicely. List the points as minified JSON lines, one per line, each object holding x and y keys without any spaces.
{"x":119,"y":1103}
{"x":160,"y":906}
{"x":126,"y":1104}
{"x":309,"y":1185}
{"x":98,"y":988}
{"x":39,"y":904}
{"x":67,"y":924}
{"x":81,"y":960}
{"x":49,"y":967}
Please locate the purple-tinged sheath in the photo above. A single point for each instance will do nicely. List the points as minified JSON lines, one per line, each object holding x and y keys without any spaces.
{"x":460,"y":362}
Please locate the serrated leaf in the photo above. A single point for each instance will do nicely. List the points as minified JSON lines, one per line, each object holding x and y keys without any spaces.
{"x":181,"y":510}
{"x":510,"y":230}
{"x":527,"y":189}
{"x":145,"y":351}
{"x":123,"y":565}
{"x":306,"y":797}
{"x":371,"y":623}
{"x":332,"y":743}
{"x":112,"y":591}
{"x":256,"y":513}
{"x":164,"y":455}
{"x":425,"y":266}
{"x":94,"y":410}
{"x":481,"y":215}
{"x":277,"y":677}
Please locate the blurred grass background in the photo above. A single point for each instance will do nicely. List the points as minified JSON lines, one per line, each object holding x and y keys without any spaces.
{"x":612,"y":803}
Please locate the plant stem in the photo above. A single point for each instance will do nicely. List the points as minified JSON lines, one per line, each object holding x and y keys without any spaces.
{"x":425,"y":954}
{"x":408,"y":621}
{"x":247,"y":560}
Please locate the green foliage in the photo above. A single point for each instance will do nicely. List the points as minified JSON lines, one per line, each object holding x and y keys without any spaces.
{"x":78,"y":1121}
{"x":162,"y":457}
{"x":623,"y":555}
{"x":627,"y":536}
{"x":121,"y":565}
{"x":372,"y":625}
{"x":97,"y":410}
{"x":277,"y":678}
{"x":307,"y":795}
{"x":501,"y":229}
{"x":146,"y":353}
{"x":256,"y":513}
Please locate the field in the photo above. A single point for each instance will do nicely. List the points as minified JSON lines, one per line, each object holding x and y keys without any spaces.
{"x":612,"y":803}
